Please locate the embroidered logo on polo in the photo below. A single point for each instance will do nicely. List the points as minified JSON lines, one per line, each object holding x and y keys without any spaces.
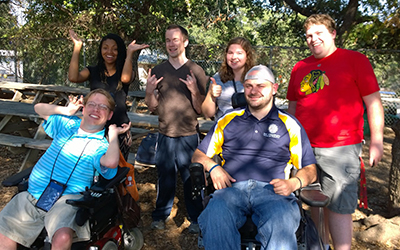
{"x":272,"y":129}
{"x":313,"y":82}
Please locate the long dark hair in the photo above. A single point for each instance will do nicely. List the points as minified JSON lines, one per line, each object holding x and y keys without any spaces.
{"x":119,"y":63}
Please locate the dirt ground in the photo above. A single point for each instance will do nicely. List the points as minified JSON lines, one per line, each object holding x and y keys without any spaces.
{"x":176,"y":235}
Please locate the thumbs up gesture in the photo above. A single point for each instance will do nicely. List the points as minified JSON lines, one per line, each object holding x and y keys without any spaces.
{"x":215,"y":89}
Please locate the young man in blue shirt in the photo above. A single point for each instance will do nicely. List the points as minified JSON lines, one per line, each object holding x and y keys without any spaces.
{"x":79,"y":148}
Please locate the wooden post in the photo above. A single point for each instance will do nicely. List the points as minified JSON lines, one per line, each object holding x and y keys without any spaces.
{"x":394,"y":174}
{"x":32,"y":155}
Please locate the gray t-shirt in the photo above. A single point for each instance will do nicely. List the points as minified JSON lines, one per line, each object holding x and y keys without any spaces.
{"x":224,"y":101}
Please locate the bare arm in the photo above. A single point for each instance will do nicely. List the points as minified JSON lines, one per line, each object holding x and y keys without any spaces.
{"x":292,"y":107}
{"x":304,"y":177}
{"x":111,"y":158}
{"x":209,"y":106}
{"x":45,"y":110}
{"x":73,"y":72}
{"x":151,"y":98}
{"x":376,"y":122}
{"x":127,"y":72}
{"x":221,"y":178}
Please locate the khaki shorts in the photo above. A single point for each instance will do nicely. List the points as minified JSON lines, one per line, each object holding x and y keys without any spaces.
{"x":22,"y":222}
{"x":338,"y":172}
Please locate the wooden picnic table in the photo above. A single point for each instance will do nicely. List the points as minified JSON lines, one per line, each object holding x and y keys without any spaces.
{"x":39,"y":90}
{"x":136,"y":97}
{"x":61,"y":92}
{"x":21,"y":117}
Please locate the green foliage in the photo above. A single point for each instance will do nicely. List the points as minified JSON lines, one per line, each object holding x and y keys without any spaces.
{"x":8,"y":23}
{"x":280,"y":29}
{"x":44,"y":43}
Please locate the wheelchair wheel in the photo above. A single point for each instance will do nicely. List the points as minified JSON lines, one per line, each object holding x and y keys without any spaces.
{"x":133,"y":239}
{"x":110,"y":245}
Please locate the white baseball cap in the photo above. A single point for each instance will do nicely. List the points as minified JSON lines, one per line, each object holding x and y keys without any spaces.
{"x":260,"y":73}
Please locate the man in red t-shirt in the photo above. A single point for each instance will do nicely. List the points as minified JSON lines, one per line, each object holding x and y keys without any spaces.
{"x":327,"y":93}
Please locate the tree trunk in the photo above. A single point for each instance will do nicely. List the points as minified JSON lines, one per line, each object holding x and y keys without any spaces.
{"x":394,"y":175}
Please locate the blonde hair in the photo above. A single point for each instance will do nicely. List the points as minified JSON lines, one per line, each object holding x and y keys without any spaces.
{"x":111,"y":102}
{"x":323,"y":19}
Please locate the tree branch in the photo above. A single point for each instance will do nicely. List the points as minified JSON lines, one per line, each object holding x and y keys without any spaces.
{"x":294,"y":6}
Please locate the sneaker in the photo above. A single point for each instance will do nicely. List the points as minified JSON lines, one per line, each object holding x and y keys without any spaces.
{"x":158,"y":224}
{"x":194,"y":228}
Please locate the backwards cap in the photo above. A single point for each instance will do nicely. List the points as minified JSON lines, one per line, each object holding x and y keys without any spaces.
{"x":260,"y":73}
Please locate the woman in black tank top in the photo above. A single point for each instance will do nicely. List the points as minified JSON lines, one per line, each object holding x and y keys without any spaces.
{"x":113,"y":72}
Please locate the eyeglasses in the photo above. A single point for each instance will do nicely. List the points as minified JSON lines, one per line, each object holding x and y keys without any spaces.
{"x":93,"y":105}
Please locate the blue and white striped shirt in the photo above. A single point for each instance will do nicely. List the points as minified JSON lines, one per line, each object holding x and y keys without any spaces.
{"x":63,"y":154}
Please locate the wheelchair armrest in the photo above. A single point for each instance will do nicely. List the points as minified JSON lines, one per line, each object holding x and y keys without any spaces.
{"x":17,"y":178}
{"x":87,"y":201}
{"x":90,"y":196}
{"x":197,"y":178}
{"x":313,"y":196}
{"x":105,"y":184}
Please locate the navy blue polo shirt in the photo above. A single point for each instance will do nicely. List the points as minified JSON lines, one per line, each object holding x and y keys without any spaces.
{"x":258,"y":149}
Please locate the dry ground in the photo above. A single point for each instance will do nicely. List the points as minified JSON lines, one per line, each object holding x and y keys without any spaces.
{"x":176,"y":235}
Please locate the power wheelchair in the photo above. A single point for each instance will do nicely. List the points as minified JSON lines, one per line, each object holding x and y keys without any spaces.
{"x":100,"y":206}
{"x":307,"y":234}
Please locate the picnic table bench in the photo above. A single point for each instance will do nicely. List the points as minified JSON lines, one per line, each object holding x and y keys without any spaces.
{"x":60,"y":93}
{"x":39,"y":90}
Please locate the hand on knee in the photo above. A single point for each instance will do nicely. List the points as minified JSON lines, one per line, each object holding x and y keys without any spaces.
{"x":62,"y":239}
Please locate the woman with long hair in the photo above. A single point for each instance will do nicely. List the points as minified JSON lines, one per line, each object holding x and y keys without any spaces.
{"x":113,"y":72}
{"x":239,"y":57}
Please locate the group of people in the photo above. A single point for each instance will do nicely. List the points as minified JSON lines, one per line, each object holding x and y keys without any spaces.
{"x":320,"y":135}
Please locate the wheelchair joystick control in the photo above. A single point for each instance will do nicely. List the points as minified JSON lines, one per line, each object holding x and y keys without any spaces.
{"x":197,"y":178}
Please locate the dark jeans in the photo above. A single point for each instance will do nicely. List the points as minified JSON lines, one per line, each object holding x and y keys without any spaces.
{"x":174,"y":154}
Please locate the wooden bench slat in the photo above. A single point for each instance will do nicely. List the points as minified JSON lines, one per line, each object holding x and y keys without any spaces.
{"x":12,"y":140}
{"x":38,"y":144}
{"x":135,"y":130}
{"x":19,"y":141}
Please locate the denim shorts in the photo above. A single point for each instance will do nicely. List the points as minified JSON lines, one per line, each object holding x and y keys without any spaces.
{"x":339,"y":172}
{"x":22,"y":222}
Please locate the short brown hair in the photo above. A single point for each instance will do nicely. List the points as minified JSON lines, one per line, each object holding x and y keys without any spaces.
{"x":110,"y":99}
{"x":324,"y":19}
{"x":184,"y":32}
{"x":226,"y":72}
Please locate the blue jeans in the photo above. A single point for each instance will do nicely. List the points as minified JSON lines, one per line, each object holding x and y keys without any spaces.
{"x":277,"y":217}
{"x":174,"y":154}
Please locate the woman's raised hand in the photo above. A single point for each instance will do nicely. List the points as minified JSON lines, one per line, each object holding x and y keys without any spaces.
{"x":74,"y":37}
{"x":132,"y":47}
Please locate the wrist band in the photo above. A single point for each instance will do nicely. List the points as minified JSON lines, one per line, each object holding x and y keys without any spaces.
{"x":301,"y":184}
{"x":216,"y":165}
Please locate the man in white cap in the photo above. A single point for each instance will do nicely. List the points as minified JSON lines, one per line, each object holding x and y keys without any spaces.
{"x":259,"y":145}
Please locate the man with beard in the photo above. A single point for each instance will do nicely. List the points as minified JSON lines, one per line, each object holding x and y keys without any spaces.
{"x":259,"y":145}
